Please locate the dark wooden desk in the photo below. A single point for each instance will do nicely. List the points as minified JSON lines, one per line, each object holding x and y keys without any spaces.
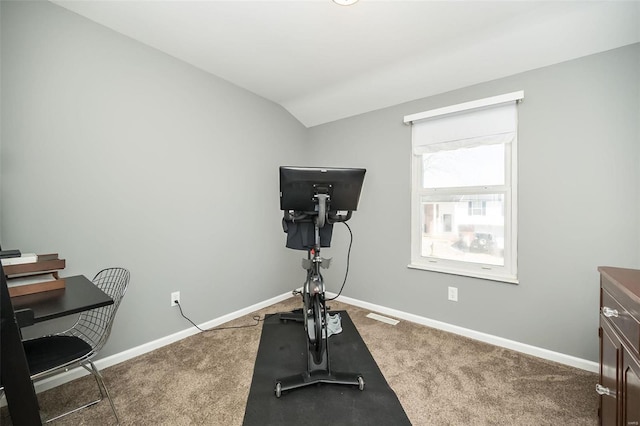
{"x":79,"y":294}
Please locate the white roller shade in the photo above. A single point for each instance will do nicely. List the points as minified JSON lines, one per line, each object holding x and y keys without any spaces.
{"x":465,"y":126}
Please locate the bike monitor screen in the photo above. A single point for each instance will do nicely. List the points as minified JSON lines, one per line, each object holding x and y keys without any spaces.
{"x":300,"y":185}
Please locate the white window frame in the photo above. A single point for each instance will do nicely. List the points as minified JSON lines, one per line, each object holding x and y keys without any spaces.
{"x":506,"y":273}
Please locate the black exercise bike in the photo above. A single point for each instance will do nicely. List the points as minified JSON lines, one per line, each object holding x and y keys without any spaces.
{"x":314,"y":312}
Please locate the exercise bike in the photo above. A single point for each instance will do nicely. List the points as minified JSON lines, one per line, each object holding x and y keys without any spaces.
{"x":314,"y":314}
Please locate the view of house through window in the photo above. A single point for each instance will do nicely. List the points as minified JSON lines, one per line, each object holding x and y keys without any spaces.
{"x":458,"y":222}
{"x":451,"y":231}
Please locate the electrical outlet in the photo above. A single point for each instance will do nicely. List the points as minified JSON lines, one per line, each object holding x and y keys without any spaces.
{"x":175,"y":297}
{"x":453,"y":294}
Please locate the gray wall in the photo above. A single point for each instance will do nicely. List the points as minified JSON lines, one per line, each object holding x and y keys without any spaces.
{"x":116,"y":154}
{"x":113,"y":153}
{"x":579,"y":205}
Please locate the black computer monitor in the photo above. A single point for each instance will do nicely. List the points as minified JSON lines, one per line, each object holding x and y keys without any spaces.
{"x":298,"y":185}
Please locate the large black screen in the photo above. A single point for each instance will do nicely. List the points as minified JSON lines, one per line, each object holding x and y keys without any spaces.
{"x":298,"y":185}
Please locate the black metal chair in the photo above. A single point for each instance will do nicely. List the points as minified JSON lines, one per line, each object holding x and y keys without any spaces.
{"x":77,"y":346}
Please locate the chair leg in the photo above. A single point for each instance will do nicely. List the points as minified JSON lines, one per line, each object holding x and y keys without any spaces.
{"x":96,"y":373}
{"x":103,"y":392}
{"x":93,"y":371}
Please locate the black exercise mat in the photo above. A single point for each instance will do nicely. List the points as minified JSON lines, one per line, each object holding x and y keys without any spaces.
{"x":282,"y":353}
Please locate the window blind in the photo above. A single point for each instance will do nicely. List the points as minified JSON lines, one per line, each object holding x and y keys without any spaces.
{"x":488,"y":121}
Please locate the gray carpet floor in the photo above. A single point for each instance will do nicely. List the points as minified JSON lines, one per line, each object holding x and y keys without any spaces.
{"x":440,"y":379}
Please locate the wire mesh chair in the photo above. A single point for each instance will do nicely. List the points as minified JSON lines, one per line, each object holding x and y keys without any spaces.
{"x":78,"y":345}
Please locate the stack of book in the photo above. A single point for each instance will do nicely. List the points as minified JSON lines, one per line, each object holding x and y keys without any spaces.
{"x":19,"y":259}
{"x":31,"y":273}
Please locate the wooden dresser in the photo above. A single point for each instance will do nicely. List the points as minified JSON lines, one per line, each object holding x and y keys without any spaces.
{"x":619,"y":385}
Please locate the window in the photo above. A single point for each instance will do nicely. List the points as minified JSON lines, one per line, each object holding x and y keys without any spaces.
{"x":464,"y":204}
{"x":478,"y":208}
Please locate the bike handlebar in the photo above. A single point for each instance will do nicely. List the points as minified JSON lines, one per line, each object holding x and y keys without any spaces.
{"x":331,"y":216}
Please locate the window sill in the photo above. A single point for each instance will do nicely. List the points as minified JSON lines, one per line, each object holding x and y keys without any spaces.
{"x":465,"y":273}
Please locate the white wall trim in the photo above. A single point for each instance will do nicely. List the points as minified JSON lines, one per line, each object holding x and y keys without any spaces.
{"x":57,"y":380}
{"x":109,"y":361}
{"x":547,"y":354}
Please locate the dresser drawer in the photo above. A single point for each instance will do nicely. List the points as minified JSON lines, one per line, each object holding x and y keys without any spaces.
{"x":621,"y":319}
{"x":619,"y":381}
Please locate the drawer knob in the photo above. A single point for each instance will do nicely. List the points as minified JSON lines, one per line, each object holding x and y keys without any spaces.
{"x":608,"y":312}
{"x":604,"y":391}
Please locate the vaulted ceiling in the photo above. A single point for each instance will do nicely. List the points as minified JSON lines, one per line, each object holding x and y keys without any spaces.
{"x":323,"y":62}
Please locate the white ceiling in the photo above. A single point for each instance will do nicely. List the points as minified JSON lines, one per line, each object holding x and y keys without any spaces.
{"x":323,"y":62}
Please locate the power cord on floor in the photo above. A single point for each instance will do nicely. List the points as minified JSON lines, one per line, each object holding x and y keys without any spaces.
{"x":256,"y":318}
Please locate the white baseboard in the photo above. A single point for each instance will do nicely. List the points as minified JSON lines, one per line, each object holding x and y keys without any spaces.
{"x":103,"y":363}
{"x":483,"y":337}
{"x":561,"y":358}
